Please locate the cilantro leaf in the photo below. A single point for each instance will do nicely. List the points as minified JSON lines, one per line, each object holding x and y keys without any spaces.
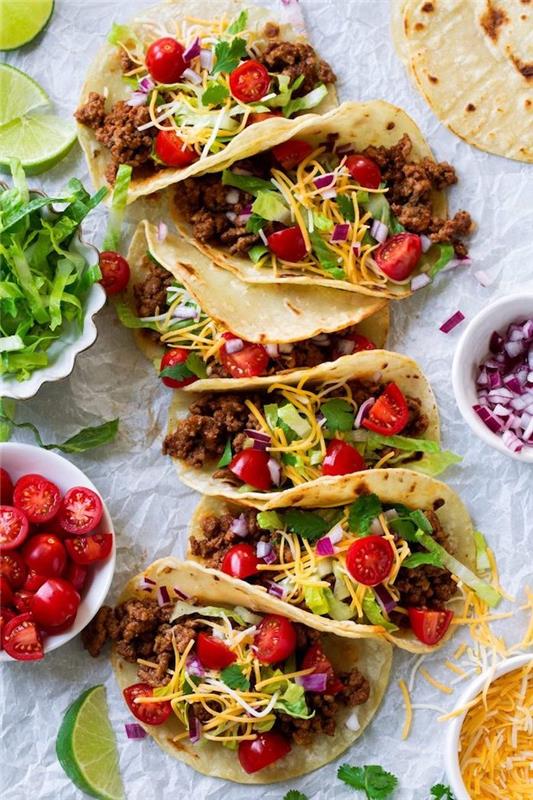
{"x":306,"y":524}
{"x":234,"y":677}
{"x":365,"y":509}
{"x":421,"y":521}
{"x":215,"y":94}
{"x":339,"y":414}
{"x":196,"y":365}
{"x":293,"y":794}
{"x":346,"y":207}
{"x":441,"y":792}
{"x":239,"y":24}
{"x":373,"y":780}
{"x":193,"y":366}
{"x":228,"y":55}
{"x":328,"y":259}
{"x":226,"y":456}
{"x":417,"y":559}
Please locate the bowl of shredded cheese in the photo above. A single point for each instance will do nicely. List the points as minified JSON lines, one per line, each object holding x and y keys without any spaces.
{"x":489,"y":746}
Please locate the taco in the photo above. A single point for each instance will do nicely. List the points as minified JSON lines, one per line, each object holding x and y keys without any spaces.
{"x":368,"y":410}
{"x":387,"y":548}
{"x":236,"y":684}
{"x":353,"y":200}
{"x":209,"y":330}
{"x":170,"y":107}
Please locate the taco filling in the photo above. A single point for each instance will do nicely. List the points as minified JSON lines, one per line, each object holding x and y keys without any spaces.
{"x":192,"y":94}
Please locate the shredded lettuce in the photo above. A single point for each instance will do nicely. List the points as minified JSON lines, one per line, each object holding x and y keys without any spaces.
{"x":337,"y":610}
{"x":374,"y":614}
{"x":247,"y":183}
{"x":118,"y":208}
{"x":184,"y":609}
{"x":293,"y":702}
{"x":445,"y":254}
{"x":316,"y":600}
{"x":482,"y":558}
{"x":257,"y":252}
{"x":305,"y":103}
{"x":270,"y":205}
{"x":269,"y":520}
{"x":121,"y":34}
{"x":321,"y":222}
{"x":291,"y":417}
{"x":433,"y":464}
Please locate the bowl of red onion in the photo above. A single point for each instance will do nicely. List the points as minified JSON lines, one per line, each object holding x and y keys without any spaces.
{"x":492,"y":375}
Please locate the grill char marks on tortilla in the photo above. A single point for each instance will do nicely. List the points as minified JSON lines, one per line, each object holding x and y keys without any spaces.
{"x":492,"y":20}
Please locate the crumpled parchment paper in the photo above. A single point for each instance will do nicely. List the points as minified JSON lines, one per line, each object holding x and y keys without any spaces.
{"x":150,"y":508}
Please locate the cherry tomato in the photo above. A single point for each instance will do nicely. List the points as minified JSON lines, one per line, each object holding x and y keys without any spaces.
{"x":258,"y":753}
{"x":76,"y":574}
{"x":261,"y":116}
{"x":251,"y":466}
{"x":390,"y":413}
{"x":81,"y":511}
{"x":164,"y":60}
{"x":149,"y":713}
{"x":13,"y":568}
{"x":398,"y":256}
{"x":55,"y":602}
{"x":341,"y":459}
{"x":45,"y":554}
{"x":22,"y":601}
{"x":364,"y":171}
{"x":240,"y":561}
{"x":14,"y":527}
{"x":173,"y":151}
{"x":369,"y":560}
{"x":22,"y":640}
{"x":34,"y":581}
{"x":249,"y":82}
{"x":288,"y":244}
{"x":115,"y":272}
{"x":172,"y":358}
{"x":249,"y":362}
{"x":6,"y":487}
{"x":429,"y":625}
{"x":275,"y":639}
{"x":290,"y":154}
{"x":38,"y":497}
{"x":212,"y":653}
{"x":6,"y":592}
{"x":315,"y":657}
{"x":6,"y":614}
{"x":87,"y":549}
{"x":359,"y":343}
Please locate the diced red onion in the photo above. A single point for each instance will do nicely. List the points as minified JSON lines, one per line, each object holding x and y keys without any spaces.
{"x":272,"y":350}
{"x":501,"y":411}
{"x":263,"y":237}
{"x":322,"y":340}
{"x":232,"y":196}
{"x":363,"y":410}
{"x":495,"y":380}
{"x":345,"y":150}
{"x":512,"y":441}
{"x":135,"y":731}
{"x":146,"y":84}
{"x":483,"y":378}
{"x":452,"y":322}
{"x":259,"y":438}
{"x":356,"y":247}
{"x":191,"y":76}
{"x":379,"y":231}
{"x":326,"y":181}
{"x":419,"y":281}
{"x":275,"y":589}
{"x":270,"y":558}
{"x":234,"y":345}
{"x":206,"y":59}
{"x":488,"y":418}
{"x":391,"y":514}
{"x":183,"y":311}
{"x":239,"y":526}
{"x":376,"y":527}
{"x":163,"y":597}
{"x":286,"y":347}
{"x":137,"y":99}
{"x":194,"y":667}
{"x":242,"y":218}
{"x":162,"y":231}
{"x":340,"y":232}
{"x":192,"y":50}
{"x":352,"y":721}
{"x":496,"y":343}
{"x":195,"y":729}
{"x":231,"y":215}
{"x":146,"y":583}
{"x":386,"y":601}
{"x":425,"y":243}
{"x":482,"y":278}
{"x":291,"y":13}
{"x":263,"y":549}
{"x":528,"y":433}
{"x":181,"y":594}
{"x":329,"y":194}
{"x":345,"y":347}
{"x":275,"y":471}
{"x":315,"y":682}
{"x":513,"y":349}
{"x":324,"y":547}
{"x":336,"y":533}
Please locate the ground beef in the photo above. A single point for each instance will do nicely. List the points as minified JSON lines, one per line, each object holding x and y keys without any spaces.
{"x":418,"y":422}
{"x":92,"y":113}
{"x":126,"y":62}
{"x":295,"y":59}
{"x":150,"y":294}
{"x":218,"y":538}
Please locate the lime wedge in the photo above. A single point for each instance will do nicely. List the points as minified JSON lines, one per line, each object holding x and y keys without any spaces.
{"x":38,"y":140}
{"x":86,"y":747}
{"x":22,"y":20}
{"x":19,"y":94}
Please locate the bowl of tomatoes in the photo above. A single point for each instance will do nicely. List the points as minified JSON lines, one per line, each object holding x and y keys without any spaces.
{"x":57,"y":551}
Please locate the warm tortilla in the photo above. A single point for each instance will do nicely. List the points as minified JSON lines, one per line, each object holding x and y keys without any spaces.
{"x":372,"y":656}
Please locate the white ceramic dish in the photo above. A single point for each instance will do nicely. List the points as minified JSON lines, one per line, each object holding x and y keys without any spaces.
{"x":454,"y":731}
{"x":20,"y":459}
{"x":472,"y":350}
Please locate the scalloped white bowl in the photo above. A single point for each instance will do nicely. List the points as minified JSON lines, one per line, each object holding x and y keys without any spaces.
{"x":20,"y":459}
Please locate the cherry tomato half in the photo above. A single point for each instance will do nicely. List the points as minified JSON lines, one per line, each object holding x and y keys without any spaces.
{"x":76,"y":574}
{"x":429,"y":625}
{"x":87,"y":549}
{"x":249,"y":362}
{"x":290,"y":154}
{"x":365,"y":171}
{"x":390,"y":413}
{"x":115,"y":272}
{"x":369,"y":560}
{"x":249,"y":82}
{"x":173,"y":151}
{"x":240,"y":561}
{"x":55,"y":603}
{"x":38,"y":497}
{"x":149,"y":713}
{"x":288,"y":244}
{"x":315,"y":657}
{"x":275,"y":639}
{"x":45,"y":554}
{"x":6,"y":592}
{"x":6,"y":614}
{"x":22,"y":601}
{"x":251,"y":466}
{"x":6,"y":487}
{"x":359,"y":343}
{"x":341,"y":459}
{"x":258,"y":753}
{"x":398,"y":256}
{"x":164,"y":60}
{"x":81,"y":511}
{"x":14,"y":527}
{"x":212,"y":653}
{"x":13,"y":568}
{"x":22,"y":640}
{"x":172,"y":358}
{"x":34,"y":581}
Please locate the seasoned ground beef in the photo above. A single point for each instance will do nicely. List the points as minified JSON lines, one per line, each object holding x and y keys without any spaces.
{"x":218,"y":537}
{"x":150,"y":294}
{"x":295,"y":59}
{"x":92,"y":113}
{"x":126,"y":62}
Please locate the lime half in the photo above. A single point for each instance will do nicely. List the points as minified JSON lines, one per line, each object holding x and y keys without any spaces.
{"x":38,"y":140}
{"x":22,"y":20}
{"x":86,"y":747}
{"x":19,"y":94}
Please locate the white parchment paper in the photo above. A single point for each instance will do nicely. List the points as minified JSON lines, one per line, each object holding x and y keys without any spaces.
{"x":151,"y":508}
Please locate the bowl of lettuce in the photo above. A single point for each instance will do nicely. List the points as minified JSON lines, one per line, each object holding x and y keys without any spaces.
{"x":49,"y":290}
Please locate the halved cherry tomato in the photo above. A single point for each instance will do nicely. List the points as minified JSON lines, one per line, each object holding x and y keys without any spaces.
{"x":290,"y":154}
{"x":249,"y":82}
{"x":76,"y":574}
{"x":6,"y":614}
{"x":38,"y":497}
{"x":288,"y":244}
{"x":369,"y":560}
{"x":22,"y":601}
{"x":429,"y":625}
{"x":115,"y":272}
{"x":212,"y":653}
{"x":13,"y":568}
{"x":359,"y":343}
{"x":81,"y":511}
{"x":365,"y":171}
{"x":315,"y":657}
{"x":45,"y":554}
{"x":258,"y":753}
{"x":6,"y":487}
{"x":240,"y":561}
{"x":14,"y":527}
{"x":173,"y":151}
{"x":390,"y":413}
{"x":275,"y":639}
{"x":22,"y":640}
{"x":6,"y":592}
{"x":54,"y":603}
{"x":398,"y":256}
{"x":149,"y":713}
{"x":249,"y":362}
{"x":341,"y":459}
{"x":87,"y":549}
{"x":251,"y":466}
{"x":34,"y":581}
{"x":172,"y":358}
{"x":261,"y":116}
{"x":164,"y":60}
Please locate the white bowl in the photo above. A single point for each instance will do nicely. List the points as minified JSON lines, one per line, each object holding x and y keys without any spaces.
{"x":472,"y":349}
{"x":451,"y":747}
{"x":20,"y":459}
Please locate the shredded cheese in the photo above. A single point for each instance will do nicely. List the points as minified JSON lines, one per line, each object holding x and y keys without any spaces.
{"x":408,"y":709}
